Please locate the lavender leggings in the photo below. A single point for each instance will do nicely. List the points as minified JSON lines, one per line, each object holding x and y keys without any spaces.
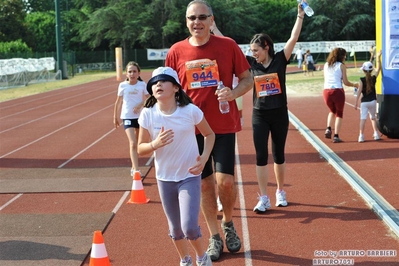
{"x":181,"y":204}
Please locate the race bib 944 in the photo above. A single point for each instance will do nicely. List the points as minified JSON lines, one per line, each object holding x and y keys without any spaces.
{"x":202,"y":73}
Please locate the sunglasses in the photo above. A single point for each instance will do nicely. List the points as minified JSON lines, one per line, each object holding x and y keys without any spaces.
{"x":200,"y":17}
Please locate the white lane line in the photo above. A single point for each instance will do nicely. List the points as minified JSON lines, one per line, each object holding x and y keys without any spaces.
{"x":45,"y":95}
{"x":388,"y":214}
{"x":50,"y":103}
{"x":85,"y":149}
{"x":55,"y":131}
{"x":244,"y":221}
{"x":10,"y":201}
{"x":126,"y":194}
{"x":62,"y":110}
{"x":121,"y":201}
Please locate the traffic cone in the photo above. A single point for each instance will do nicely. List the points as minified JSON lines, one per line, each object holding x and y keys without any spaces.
{"x":138,"y":195}
{"x":98,"y":256}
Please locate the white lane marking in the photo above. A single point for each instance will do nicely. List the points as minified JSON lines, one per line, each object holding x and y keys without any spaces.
{"x":244,"y":221}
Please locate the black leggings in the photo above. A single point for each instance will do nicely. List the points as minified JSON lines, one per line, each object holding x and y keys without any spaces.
{"x":275,"y":122}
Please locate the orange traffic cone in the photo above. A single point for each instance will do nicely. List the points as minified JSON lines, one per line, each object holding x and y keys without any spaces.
{"x":138,"y":195}
{"x":98,"y":256}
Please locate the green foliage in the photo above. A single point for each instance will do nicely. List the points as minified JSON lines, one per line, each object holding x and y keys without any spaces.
{"x":41,"y":25}
{"x":105,"y":24}
{"x":39,"y":5}
{"x":12,"y":16}
{"x":14,"y":47}
{"x":343,"y":20}
{"x":116,"y":22}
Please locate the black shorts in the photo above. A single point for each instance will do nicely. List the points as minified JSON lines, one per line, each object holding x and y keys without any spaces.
{"x":222,"y":155}
{"x":127,"y":123}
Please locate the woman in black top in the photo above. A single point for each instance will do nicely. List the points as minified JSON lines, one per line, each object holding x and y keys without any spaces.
{"x":270,"y":113}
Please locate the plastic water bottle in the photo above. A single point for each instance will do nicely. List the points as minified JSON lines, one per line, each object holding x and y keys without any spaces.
{"x":224,"y":106}
{"x":355,"y":91}
{"x":308,"y":10}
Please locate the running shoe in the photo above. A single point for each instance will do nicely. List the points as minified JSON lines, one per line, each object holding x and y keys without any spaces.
{"x":206,"y":261}
{"x":361,"y":138}
{"x":187,"y":261}
{"x":219,"y":203}
{"x":233,"y":242}
{"x":337,"y":140}
{"x":132,"y":173}
{"x":281,"y":200}
{"x":215,"y":248}
{"x":263,"y":204}
{"x":376,"y":137}
{"x":327,"y":134}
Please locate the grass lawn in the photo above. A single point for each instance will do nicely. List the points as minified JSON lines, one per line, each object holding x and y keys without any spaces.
{"x":293,"y":80}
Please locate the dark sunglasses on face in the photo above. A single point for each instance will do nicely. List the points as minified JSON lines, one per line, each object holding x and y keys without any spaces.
{"x":200,"y":17}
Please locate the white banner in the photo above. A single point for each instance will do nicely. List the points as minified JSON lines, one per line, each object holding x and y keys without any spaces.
{"x":18,"y":65}
{"x":321,"y":47}
{"x":392,"y":34}
{"x":314,"y":47}
{"x":156,"y":54}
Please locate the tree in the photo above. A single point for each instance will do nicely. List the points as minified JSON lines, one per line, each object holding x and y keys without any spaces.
{"x":39,"y":5}
{"x":14,"y":47}
{"x":275,"y":18}
{"x":41,"y":26}
{"x":162,"y":23}
{"x":105,"y":24}
{"x":116,"y":22}
{"x":12,"y":16}
{"x":345,"y":20}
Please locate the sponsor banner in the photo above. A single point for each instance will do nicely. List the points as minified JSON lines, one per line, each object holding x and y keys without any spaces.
{"x":157,"y":54}
{"x":314,"y":47}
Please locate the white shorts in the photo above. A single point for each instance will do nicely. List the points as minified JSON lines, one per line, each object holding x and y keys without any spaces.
{"x":368,"y":107}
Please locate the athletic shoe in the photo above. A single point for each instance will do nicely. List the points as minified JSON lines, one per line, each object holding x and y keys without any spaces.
{"x":215,"y":248}
{"x":327,"y":134}
{"x":233,"y":242}
{"x":281,"y":200}
{"x":263,"y":204}
{"x":361,"y":138}
{"x":132,"y":173}
{"x":219,"y":203}
{"x":337,"y":140}
{"x":187,"y":261}
{"x":206,"y":261}
{"x":376,"y":137}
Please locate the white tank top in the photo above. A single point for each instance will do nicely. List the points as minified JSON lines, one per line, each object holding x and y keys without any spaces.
{"x":333,"y":76}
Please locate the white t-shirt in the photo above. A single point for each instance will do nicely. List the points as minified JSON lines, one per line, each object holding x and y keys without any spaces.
{"x":299,"y":54}
{"x":173,"y":160}
{"x":333,"y":76}
{"x":132,"y":96}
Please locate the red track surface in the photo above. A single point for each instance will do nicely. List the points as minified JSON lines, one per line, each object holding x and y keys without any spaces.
{"x":324,"y":214}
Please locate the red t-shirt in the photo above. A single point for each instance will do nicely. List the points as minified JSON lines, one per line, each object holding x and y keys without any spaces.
{"x":220,"y":51}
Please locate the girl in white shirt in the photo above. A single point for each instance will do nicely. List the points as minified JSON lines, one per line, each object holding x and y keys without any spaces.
{"x":167,"y":128}
{"x":131,"y":95}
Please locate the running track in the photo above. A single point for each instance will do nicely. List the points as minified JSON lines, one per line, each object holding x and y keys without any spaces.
{"x":65,"y":174}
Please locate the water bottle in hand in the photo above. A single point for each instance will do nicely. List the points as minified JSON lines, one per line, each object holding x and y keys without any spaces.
{"x":224,"y":106}
{"x":308,"y":10}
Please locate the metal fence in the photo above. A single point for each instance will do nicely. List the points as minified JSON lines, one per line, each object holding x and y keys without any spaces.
{"x":88,"y":61}
{"x":84,"y":61}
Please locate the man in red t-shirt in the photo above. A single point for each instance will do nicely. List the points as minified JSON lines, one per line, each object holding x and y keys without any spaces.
{"x":201,"y":61}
